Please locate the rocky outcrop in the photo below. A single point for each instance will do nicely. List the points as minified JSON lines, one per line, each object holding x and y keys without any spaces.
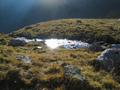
{"x":109,"y":59}
{"x":24,"y":59}
{"x":17,"y":42}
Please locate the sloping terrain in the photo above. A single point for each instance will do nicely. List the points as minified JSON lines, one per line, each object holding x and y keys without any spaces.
{"x":58,"y":69}
{"x":89,"y":30}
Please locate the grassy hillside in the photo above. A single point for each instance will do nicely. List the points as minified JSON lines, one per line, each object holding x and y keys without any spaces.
{"x":46,"y":69}
{"x":4,"y":39}
{"x":89,"y":30}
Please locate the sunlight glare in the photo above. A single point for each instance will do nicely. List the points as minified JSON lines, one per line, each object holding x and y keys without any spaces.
{"x":52,"y":3}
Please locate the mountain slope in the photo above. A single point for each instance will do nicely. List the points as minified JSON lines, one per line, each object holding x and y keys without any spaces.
{"x":59,"y":69}
{"x":90,"y":30}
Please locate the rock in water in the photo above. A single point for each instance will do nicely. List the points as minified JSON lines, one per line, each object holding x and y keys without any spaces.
{"x":24,"y":59}
{"x":109,"y":59}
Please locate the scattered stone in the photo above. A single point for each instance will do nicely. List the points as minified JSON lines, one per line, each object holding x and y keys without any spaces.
{"x":76,"y":45}
{"x":74,"y":80}
{"x":109,"y":59}
{"x":24,"y":59}
{"x":73,"y":72}
{"x":67,"y":44}
{"x":51,"y":43}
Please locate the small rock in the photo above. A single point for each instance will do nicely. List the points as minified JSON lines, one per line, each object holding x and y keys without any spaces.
{"x":24,"y":59}
{"x":73,"y":72}
{"x":74,"y":80}
{"x":119,"y":19}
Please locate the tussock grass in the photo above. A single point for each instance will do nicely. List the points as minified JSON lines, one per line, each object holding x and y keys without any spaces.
{"x":90,"y":30}
{"x":46,"y":69}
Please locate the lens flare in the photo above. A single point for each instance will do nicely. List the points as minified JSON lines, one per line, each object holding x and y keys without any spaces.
{"x":52,"y":3}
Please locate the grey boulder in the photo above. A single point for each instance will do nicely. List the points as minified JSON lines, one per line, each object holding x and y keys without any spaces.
{"x":17,"y":42}
{"x":24,"y":59}
{"x":73,"y":72}
{"x":74,"y":80}
{"x":109,"y":59}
